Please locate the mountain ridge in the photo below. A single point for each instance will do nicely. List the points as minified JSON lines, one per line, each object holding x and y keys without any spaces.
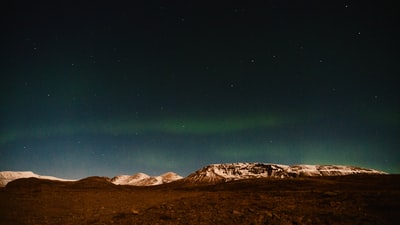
{"x":215,"y":173}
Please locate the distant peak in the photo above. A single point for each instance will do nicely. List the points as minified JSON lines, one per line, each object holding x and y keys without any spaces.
{"x":215,"y":173}
{"x":142,"y":179}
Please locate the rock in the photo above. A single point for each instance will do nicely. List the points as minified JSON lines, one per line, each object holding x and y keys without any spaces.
{"x":269,"y":214}
{"x":236,"y":212}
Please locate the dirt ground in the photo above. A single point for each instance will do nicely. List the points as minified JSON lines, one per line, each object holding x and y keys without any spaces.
{"x":323,"y":200}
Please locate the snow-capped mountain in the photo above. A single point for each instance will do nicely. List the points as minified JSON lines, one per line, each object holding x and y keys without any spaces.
{"x":215,"y":173}
{"x":8,"y":176}
{"x":141,"y":179}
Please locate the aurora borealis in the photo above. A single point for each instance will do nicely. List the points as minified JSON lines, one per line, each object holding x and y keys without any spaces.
{"x":119,"y":88}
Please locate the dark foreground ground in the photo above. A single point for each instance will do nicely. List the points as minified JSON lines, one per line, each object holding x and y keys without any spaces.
{"x":328,"y":200}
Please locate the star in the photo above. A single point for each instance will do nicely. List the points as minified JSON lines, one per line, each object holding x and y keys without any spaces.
{"x":188,"y":76}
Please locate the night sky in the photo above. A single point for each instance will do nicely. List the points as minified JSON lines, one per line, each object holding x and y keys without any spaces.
{"x":110,"y":87}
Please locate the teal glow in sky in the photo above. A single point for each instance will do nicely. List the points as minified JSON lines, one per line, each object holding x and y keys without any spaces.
{"x":108,"y":89}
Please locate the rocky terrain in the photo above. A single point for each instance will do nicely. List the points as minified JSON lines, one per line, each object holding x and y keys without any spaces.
{"x":353,"y":199}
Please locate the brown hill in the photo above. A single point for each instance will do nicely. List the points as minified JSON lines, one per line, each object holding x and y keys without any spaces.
{"x":35,"y":183}
{"x":93,"y":183}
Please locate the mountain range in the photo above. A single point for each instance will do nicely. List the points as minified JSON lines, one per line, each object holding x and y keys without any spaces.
{"x":215,"y":173}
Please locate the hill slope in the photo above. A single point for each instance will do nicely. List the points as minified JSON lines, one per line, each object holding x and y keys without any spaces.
{"x":8,"y":176}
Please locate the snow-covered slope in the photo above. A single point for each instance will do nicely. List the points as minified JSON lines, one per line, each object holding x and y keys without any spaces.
{"x":141,"y":179}
{"x":8,"y":176}
{"x":215,"y":173}
{"x":329,"y":170}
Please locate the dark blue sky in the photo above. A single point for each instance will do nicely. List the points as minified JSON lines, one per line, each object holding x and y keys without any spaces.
{"x":118,"y":88}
